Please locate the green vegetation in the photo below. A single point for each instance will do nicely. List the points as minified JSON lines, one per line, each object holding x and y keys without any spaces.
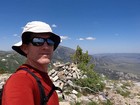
{"x":93,"y":81}
{"x":126,"y":84}
{"x":10,"y":61}
{"x":123,"y":92}
{"x":2,"y":71}
{"x":108,"y":102}
{"x":90,"y":103}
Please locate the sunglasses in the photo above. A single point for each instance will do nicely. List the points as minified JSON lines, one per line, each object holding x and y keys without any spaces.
{"x":37,"y":41}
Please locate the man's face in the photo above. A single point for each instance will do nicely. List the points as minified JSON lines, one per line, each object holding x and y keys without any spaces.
{"x":40,"y":54}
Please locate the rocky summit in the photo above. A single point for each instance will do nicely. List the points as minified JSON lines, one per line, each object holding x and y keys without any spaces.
{"x":116,"y":92}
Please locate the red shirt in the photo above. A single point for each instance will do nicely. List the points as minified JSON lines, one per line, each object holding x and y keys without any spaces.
{"x":22,"y":88}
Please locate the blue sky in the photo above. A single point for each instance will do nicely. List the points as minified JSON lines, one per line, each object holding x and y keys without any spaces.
{"x":97,"y":26}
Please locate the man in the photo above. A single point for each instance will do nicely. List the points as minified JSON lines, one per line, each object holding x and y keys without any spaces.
{"x":37,"y":45}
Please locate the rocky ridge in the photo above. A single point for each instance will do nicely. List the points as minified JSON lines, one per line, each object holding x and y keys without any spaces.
{"x":117,"y":92}
{"x":118,"y":75}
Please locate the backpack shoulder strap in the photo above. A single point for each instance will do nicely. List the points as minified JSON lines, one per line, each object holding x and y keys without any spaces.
{"x":51,"y":92}
{"x":1,"y":92}
{"x":44,"y":99}
{"x":41,"y":89}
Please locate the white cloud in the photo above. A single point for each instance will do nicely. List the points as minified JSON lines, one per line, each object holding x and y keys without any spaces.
{"x":90,"y":38}
{"x":87,"y":38}
{"x":81,"y":39}
{"x":64,"y":37}
{"x":16,"y":35}
{"x":54,"y":25}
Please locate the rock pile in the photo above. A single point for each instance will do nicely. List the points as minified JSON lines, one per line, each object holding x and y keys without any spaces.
{"x":63,"y":74}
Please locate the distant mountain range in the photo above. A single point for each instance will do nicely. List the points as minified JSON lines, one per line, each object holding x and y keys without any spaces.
{"x":124,"y":62}
{"x":104,"y":63}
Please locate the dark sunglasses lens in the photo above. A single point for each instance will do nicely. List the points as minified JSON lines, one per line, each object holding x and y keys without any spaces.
{"x":50,"y":42}
{"x":41,"y":41}
{"x":38,"y":41}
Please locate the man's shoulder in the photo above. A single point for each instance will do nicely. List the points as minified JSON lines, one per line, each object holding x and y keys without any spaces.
{"x":21,"y":78}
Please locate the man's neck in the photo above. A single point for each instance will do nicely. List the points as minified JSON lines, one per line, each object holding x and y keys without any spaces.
{"x":43,"y":68}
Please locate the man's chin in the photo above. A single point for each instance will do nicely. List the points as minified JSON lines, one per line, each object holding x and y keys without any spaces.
{"x":44,"y":61}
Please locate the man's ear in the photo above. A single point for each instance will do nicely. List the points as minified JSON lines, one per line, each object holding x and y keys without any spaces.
{"x":24,"y":48}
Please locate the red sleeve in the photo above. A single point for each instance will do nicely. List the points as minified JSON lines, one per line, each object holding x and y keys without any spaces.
{"x":18,"y":90}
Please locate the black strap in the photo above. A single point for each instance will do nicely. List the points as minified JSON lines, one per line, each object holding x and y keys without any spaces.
{"x":1,"y":92}
{"x":58,"y":88}
{"x":41,"y":89}
{"x":44,"y":99}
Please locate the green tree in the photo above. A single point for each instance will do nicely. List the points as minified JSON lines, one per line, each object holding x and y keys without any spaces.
{"x":77,"y":57}
{"x":93,"y":80}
